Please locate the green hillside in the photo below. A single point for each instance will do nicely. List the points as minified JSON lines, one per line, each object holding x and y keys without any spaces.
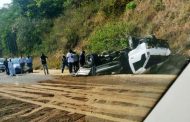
{"x":54,"y":26}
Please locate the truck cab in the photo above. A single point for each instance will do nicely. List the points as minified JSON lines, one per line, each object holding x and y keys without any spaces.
{"x":148,"y":51}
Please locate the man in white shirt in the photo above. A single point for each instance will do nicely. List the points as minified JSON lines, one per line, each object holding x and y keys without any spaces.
{"x":70,"y":60}
{"x":11,"y":68}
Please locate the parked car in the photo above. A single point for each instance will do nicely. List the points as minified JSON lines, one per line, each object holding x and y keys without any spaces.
{"x":2,"y":66}
{"x":17,"y":67}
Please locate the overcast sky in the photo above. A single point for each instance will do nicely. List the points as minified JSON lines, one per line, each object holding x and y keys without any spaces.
{"x":4,"y":2}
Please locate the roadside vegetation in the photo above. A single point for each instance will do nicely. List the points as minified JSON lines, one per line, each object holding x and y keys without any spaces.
{"x":30,"y":27}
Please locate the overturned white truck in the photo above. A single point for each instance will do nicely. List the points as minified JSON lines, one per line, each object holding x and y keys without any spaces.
{"x":142,"y":54}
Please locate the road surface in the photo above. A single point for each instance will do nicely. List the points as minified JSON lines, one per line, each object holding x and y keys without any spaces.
{"x":23,"y":78}
{"x":120,"y":98}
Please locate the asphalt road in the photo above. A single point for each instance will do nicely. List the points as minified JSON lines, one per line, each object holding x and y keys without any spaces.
{"x":118,"y":98}
{"x":24,"y":78}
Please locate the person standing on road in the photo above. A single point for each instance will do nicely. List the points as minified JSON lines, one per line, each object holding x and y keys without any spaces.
{"x":11,"y":68}
{"x":6,"y":66}
{"x":93,"y":64}
{"x":22,"y":63}
{"x":82,"y":58}
{"x":76,"y":61}
{"x":70,"y":60}
{"x":44,"y":63}
{"x":63,"y":63}
{"x":29,"y":63}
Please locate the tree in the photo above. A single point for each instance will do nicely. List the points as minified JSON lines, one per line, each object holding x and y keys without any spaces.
{"x":28,"y":7}
{"x":11,"y":43}
{"x":40,"y":8}
{"x":29,"y":33}
{"x":7,"y":34}
{"x":50,"y":8}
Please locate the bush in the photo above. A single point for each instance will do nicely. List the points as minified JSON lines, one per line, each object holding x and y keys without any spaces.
{"x":113,"y":7}
{"x":131,"y":5}
{"x":159,"y":5}
{"x":72,"y":40}
{"x":112,"y":36}
{"x":107,"y":6}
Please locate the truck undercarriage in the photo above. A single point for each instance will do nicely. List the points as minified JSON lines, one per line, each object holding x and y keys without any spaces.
{"x":138,"y":58}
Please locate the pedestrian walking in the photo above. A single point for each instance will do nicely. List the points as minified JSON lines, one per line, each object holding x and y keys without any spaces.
{"x":82,"y":58}
{"x":63,"y":63}
{"x":44,"y":63}
{"x":6,"y":66}
{"x":70,"y":60}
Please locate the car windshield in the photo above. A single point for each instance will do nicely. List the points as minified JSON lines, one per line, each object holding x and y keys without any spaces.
{"x":15,"y":61}
{"x":2,"y":59}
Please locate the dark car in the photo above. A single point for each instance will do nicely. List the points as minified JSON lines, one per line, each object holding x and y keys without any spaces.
{"x":16,"y":65}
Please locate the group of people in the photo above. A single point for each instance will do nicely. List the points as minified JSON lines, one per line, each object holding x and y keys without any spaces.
{"x":9,"y":64}
{"x":72,"y":60}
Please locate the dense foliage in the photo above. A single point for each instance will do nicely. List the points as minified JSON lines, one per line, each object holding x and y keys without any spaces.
{"x":54,"y":26}
{"x":23,"y":23}
{"x":111,"y":36}
{"x":33,"y":26}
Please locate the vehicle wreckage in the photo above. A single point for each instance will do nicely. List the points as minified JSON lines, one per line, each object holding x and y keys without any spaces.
{"x":138,"y":58}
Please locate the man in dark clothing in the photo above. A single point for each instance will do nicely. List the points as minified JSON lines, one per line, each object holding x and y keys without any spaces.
{"x":44,"y":63}
{"x":29,"y":63}
{"x":22,"y":64}
{"x":6,"y":66}
{"x":82,"y":59}
{"x":63,"y":63}
{"x":93,"y":59}
{"x":188,"y":60}
{"x":76,"y":62}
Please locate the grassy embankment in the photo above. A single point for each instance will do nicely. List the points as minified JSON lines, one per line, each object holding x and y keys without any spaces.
{"x":104,"y":26}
